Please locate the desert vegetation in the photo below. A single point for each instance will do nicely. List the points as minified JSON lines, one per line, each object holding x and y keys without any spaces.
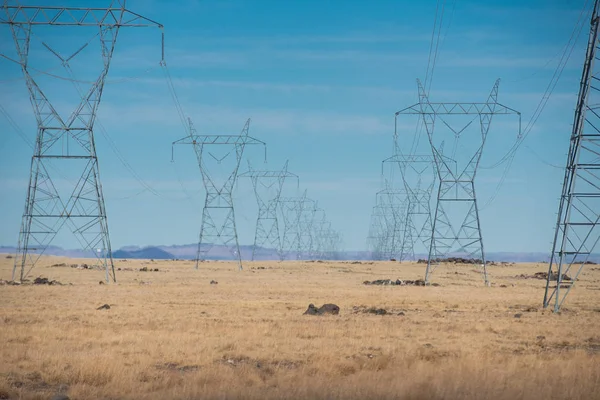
{"x":168,"y":332}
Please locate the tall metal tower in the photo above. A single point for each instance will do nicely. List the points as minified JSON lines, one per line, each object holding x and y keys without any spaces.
{"x":388,"y":224}
{"x":218,"y":216}
{"x":418,"y":219}
{"x":456,"y":199}
{"x":297,"y":214}
{"x":68,"y":141}
{"x":267,"y":188}
{"x":577,"y":233}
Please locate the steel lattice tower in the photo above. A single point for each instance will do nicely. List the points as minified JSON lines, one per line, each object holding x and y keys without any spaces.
{"x":388,"y":224}
{"x":576,"y":234}
{"x":68,"y":141}
{"x":218,"y":216}
{"x":267,"y":188}
{"x":457,"y":183}
{"x":418,"y":220}
{"x":297,"y":215}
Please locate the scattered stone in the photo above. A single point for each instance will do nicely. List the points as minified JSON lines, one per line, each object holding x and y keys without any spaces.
{"x":401,"y":313}
{"x":144,"y":269}
{"x":454,"y":260}
{"x":9,"y":256}
{"x":377,"y":311}
{"x":398,"y":282}
{"x":392,"y":259}
{"x":324,"y":309}
{"x":544,"y":276}
{"x":45,"y":281}
{"x":103,"y":307}
{"x":541,"y":337}
{"x":503,"y":286}
{"x":214,"y":282}
{"x":518,"y":315}
{"x":60,"y":397}
{"x":59,"y":265}
{"x":100,"y":282}
{"x":155,"y":269}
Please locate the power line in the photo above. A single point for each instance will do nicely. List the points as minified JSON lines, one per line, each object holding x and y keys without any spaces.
{"x":510,"y":155}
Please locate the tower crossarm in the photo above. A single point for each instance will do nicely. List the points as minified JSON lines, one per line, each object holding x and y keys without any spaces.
{"x":219,"y":139}
{"x":457,"y":109}
{"x":75,"y":16}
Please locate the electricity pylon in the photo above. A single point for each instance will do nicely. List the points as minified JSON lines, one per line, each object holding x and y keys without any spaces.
{"x":297,"y":213}
{"x":576,"y":234}
{"x":456,"y":184}
{"x":418,"y":219}
{"x":377,"y":232}
{"x":218,"y":216}
{"x":388,"y":224}
{"x":267,"y":188}
{"x":66,"y":141}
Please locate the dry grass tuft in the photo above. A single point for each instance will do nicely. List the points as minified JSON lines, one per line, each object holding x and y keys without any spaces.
{"x":171,"y":334}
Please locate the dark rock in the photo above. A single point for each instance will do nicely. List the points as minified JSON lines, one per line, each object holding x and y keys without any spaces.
{"x":401,"y":313}
{"x":329,"y":309}
{"x":214,"y":282}
{"x":60,"y":397}
{"x":311,"y":310}
{"x":100,"y":282}
{"x":104,"y":307}
{"x":144,"y":269}
{"x":9,"y":256}
{"x":503,"y":286}
{"x":518,"y":315}
{"x":377,"y":311}
{"x":155,"y":269}
{"x":324,"y":309}
{"x":45,"y":281}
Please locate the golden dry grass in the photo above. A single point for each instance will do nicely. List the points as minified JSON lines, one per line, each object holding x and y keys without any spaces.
{"x":170,"y":334}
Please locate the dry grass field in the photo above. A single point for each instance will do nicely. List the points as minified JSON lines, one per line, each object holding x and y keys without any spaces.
{"x":171,"y":334}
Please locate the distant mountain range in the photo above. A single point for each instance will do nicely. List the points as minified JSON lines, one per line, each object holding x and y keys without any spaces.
{"x":189,"y":251}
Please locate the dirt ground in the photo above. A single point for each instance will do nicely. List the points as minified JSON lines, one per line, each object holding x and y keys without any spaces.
{"x":171,"y":334}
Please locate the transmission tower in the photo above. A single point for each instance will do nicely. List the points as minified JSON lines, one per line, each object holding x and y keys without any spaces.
{"x":66,"y":141}
{"x":218,"y":216}
{"x":377,"y":232}
{"x":388,"y":224}
{"x":297,"y":215}
{"x":576,"y":234}
{"x":456,"y":198}
{"x":418,"y":220}
{"x":267,"y":188}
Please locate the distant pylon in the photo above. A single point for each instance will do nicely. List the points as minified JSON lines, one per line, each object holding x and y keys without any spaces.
{"x":388,"y":224}
{"x":418,"y":219}
{"x":577,"y":234}
{"x":457,"y":184}
{"x":218,"y":216}
{"x":267,"y":188}
{"x":297,"y":214}
{"x":68,"y":141}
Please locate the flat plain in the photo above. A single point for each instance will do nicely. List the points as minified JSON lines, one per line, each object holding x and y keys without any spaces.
{"x":171,"y":334}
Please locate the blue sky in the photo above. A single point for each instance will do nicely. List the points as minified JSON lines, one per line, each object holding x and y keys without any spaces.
{"x":321,"y":81}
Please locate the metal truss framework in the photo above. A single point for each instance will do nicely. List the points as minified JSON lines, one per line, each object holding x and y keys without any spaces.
{"x":298,"y":216}
{"x":418,"y":221}
{"x":218,"y":215}
{"x":267,"y":188}
{"x":69,"y":141}
{"x":457,"y":185}
{"x":577,"y":234}
{"x":388,"y":224}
